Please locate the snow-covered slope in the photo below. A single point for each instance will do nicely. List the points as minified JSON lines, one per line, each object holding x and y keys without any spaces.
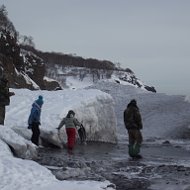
{"x":81,"y":77}
{"x":94,"y":108}
{"x":163,"y":116}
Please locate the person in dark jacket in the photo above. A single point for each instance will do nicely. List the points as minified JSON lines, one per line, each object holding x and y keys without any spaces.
{"x":71,"y":124}
{"x":133,"y":124}
{"x":4,"y":95}
{"x":34,"y":120}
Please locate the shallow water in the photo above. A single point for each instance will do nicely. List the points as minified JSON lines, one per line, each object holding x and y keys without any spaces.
{"x":161,"y":163}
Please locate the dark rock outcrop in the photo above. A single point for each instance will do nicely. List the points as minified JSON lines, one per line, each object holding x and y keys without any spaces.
{"x":150,"y":88}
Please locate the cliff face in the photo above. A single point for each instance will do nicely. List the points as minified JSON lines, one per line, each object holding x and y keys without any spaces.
{"x":80,"y":77}
{"x":26,"y":67}
{"x":16,"y":79}
{"x":26,"y":79}
{"x":23,"y":68}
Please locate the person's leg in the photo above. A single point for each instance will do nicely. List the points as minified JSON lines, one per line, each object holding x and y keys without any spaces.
{"x":138,"y":142}
{"x":2,"y":115}
{"x":138,"y":137}
{"x":71,"y":136}
{"x":35,"y":134}
{"x":135,"y":140}
{"x":131,"y":135}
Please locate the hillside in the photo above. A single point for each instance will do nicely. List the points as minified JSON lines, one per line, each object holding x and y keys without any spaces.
{"x":27,"y":67}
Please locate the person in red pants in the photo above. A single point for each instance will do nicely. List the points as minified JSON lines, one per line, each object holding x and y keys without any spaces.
{"x":70,"y":123}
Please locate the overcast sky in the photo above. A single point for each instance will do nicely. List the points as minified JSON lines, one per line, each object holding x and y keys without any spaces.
{"x":151,"y":37}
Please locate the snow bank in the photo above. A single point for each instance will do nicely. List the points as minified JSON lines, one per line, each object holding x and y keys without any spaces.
{"x":22,"y":174}
{"x":94,"y":108}
{"x":163,"y":116}
{"x":17,"y":173}
{"x":21,"y":147}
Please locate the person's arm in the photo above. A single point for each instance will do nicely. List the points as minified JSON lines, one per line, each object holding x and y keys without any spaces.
{"x":37,"y":115}
{"x":61,"y":124}
{"x":30,"y":119}
{"x":76,"y":122}
{"x":139,"y":120}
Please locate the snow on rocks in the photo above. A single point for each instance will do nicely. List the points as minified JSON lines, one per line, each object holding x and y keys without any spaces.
{"x":93,"y":108}
{"x":20,"y":146}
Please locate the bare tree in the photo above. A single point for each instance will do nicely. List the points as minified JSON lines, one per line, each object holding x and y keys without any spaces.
{"x":5,"y":23}
{"x":27,"y":41}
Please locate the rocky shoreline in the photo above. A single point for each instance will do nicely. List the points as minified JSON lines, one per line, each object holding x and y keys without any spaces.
{"x":163,"y":166}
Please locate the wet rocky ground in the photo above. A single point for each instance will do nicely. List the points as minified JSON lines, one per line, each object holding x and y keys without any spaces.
{"x":162,"y":166}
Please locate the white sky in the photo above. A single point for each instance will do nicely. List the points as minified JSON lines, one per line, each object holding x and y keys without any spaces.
{"x":149,"y":36}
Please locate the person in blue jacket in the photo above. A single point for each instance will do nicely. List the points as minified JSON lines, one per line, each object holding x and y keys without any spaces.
{"x":34,"y":119}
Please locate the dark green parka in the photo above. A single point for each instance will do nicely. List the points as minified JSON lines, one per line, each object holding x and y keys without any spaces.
{"x":132,"y":116}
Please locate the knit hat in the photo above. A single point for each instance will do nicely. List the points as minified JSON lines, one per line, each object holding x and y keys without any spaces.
{"x":40,"y":101}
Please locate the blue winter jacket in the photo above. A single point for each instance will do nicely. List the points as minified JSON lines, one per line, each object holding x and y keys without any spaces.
{"x":35,"y":114}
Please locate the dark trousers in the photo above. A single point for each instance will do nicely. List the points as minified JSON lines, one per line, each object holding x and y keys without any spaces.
{"x":35,"y":133}
{"x":135,"y":136}
{"x":2,"y":114}
{"x":135,"y":140}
